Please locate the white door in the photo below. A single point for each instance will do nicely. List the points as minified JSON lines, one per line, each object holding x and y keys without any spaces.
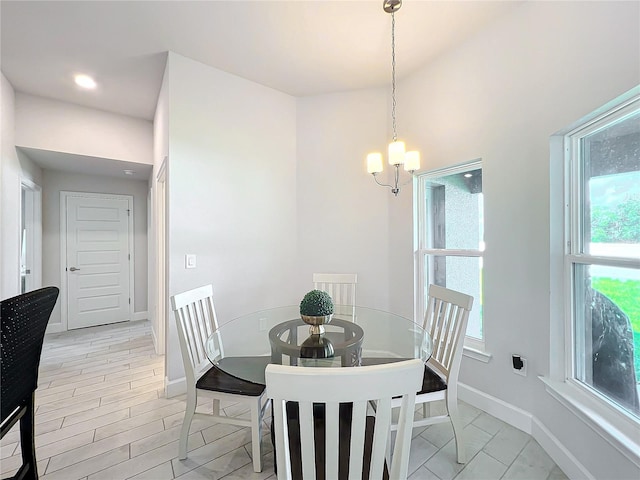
{"x":98,"y":260}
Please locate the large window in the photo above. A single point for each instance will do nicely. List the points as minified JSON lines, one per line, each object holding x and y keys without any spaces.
{"x":603,"y":257}
{"x":449,"y":221}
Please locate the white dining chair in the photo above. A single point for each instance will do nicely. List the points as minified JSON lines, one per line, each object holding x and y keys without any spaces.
{"x":342,"y":289}
{"x":321,"y":421}
{"x":196,"y":321}
{"x":446,"y":322}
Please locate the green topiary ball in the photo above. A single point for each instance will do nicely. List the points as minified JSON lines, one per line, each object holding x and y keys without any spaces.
{"x":316,"y":303}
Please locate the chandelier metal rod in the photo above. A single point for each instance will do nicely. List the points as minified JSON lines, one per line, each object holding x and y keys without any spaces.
{"x":393,"y":74}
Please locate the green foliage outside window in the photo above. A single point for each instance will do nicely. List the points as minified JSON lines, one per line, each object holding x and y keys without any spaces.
{"x":618,"y":224}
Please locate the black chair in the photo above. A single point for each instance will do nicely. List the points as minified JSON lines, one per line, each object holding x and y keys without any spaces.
{"x":23,"y":320}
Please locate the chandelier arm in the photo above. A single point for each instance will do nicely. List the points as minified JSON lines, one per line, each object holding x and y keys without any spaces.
{"x":381,"y":184}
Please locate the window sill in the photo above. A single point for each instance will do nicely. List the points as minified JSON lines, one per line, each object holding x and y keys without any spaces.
{"x":476,"y":354}
{"x":621,"y":433}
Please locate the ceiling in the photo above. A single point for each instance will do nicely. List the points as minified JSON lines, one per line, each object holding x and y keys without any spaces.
{"x":297,"y":47}
{"x":87,"y":165}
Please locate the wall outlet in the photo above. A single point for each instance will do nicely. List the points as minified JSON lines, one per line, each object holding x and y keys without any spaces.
{"x":519,"y":365}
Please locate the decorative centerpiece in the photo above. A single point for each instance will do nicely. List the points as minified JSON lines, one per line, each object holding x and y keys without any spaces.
{"x":316,"y":309}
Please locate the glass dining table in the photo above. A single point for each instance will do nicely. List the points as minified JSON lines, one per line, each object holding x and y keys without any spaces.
{"x":244,"y":346}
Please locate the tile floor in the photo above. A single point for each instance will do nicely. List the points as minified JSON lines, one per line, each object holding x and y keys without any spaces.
{"x":101,"y":415}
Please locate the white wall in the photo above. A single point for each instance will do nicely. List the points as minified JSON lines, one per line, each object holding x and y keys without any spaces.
{"x":232,"y":191}
{"x":55,"y":182}
{"x":63,"y":127}
{"x":160,"y":152}
{"x":342,"y":216}
{"x":499,"y":97}
{"x":9,"y":196}
{"x":14,"y":167}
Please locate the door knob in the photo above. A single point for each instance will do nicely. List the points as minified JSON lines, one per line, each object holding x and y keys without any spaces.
{"x":73,"y":269}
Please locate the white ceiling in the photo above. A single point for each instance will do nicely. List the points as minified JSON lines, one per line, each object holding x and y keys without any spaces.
{"x":298,"y":47}
{"x":87,"y":165}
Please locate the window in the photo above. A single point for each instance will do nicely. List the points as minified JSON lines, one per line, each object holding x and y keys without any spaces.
{"x":449,"y":225}
{"x":602,"y":257}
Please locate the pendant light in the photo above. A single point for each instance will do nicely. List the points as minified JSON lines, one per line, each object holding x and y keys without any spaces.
{"x":397,"y":156}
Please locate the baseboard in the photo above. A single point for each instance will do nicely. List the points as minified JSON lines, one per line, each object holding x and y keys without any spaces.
{"x":173,"y":388}
{"x":55,"y":328}
{"x":154,"y":338}
{"x":514,"y":416}
{"x":571,"y":467}
{"x":525,"y":421}
{"x":140,"y":316}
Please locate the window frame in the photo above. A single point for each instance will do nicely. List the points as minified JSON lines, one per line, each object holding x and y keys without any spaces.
{"x":614,"y":424}
{"x":473,"y":347}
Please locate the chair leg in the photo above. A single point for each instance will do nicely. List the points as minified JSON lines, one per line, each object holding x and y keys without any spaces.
{"x":29,"y":468}
{"x":256,"y":435}
{"x":216,"y":408}
{"x":192,"y":400}
{"x":456,"y":423}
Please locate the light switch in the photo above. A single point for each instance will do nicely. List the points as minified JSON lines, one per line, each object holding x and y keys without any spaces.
{"x":190,"y":261}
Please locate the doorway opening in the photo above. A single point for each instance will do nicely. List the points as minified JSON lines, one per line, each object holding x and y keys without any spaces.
{"x":30,"y":236}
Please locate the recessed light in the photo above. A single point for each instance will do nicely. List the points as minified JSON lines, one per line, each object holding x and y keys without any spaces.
{"x":129,"y":172}
{"x":85,"y":81}
{"x":468,"y":175}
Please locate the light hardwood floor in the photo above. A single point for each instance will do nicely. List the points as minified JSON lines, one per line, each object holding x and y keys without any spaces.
{"x":102,"y":415}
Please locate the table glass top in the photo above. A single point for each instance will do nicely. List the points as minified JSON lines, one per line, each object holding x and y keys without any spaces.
{"x":244,"y":346}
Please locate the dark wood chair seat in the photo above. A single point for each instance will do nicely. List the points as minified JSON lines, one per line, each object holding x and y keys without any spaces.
{"x":219,"y":381}
{"x":431,"y":382}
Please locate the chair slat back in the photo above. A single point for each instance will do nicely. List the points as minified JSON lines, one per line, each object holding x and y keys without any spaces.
{"x":23,"y":323}
{"x":342,"y":288}
{"x":196,"y":320}
{"x":446,"y":322}
{"x":331,"y":387}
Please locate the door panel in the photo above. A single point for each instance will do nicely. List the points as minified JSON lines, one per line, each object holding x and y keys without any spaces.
{"x":98,"y":285}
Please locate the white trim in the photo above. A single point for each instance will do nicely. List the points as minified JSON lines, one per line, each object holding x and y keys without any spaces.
{"x":514,"y":416}
{"x":475,"y":353}
{"x":620,"y":262}
{"x":475,"y":347}
{"x":63,"y":250}
{"x":451,"y":170}
{"x":55,"y":328}
{"x":603,"y":416}
{"x":451,"y":252}
{"x":35,"y":246}
{"x":567,"y":462}
{"x":137,"y":316}
{"x":623,"y":437}
{"x":161,"y":261}
{"x":173,"y":388}
{"x":528,"y":423}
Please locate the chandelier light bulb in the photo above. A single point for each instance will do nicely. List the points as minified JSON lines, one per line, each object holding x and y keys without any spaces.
{"x":396,"y":153}
{"x":374,"y":163}
{"x":412,"y":161}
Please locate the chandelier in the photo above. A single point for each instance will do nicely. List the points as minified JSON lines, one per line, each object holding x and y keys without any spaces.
{"x":396,"y":153}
